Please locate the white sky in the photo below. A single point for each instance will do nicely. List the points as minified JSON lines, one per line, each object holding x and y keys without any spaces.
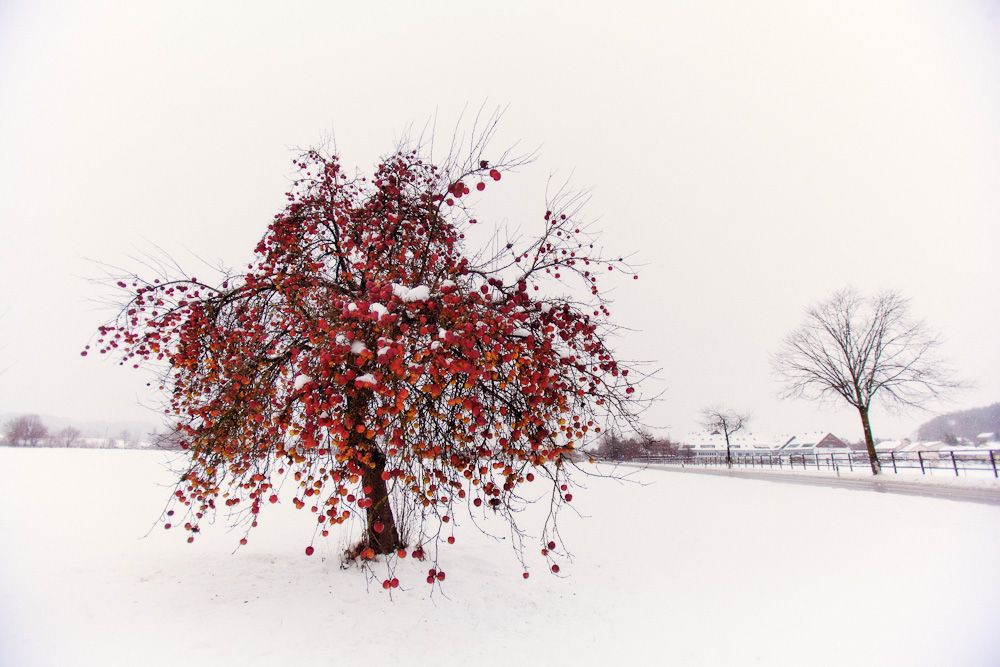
{"x":753,"y":157}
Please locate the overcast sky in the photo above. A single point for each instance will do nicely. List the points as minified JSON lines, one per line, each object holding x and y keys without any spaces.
{"x":751,"y":157}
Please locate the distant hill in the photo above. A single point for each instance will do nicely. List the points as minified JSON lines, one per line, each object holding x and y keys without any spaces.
{"x":963,"y":424}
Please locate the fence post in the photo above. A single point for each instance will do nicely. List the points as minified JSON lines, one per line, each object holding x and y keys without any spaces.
{"x":893,"y":455}
{"x":953,"y":463}
{"x":920,"y":456}
{"x":994,"y":462}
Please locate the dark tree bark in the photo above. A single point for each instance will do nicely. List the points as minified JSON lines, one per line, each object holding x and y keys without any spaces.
{"x":870,"y":442}
{"x":381,"y":533}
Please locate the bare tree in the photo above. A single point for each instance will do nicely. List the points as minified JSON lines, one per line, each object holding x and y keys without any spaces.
{"x":129,"y":440}
{"x":69,"y":437}
{"x":173,"y":439}
{"x":616,"y":446}
{"x":725,"y":421}
{"x":25,"y":431}
{"x":857,"y":348}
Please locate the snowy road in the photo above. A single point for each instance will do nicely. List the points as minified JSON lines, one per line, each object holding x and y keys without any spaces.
{"x":927,"y":487}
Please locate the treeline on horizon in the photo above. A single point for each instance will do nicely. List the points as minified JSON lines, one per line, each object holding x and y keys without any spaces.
{"x":29,"y":430}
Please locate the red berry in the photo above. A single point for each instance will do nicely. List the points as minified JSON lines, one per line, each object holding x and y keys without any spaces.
{"x":525,"y":575}
{"x":309,"y":551}
{"x":555,"y":568}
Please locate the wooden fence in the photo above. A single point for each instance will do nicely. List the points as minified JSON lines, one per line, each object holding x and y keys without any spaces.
{"x":948,"y":462}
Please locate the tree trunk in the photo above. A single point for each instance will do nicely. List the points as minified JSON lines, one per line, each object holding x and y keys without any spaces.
{"x":379,"y":516}
{"x":380,"y":531}
{"x":870,"y":442}
{"x":729,"y":460}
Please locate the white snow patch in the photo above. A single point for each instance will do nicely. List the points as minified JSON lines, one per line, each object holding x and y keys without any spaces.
{"x":357,"y":347}
{"x":301,"y":380}
{"x":367,"y":378}
{"x":521,"y":333}
{"x":378,"y":308}
{"x":418,"y":293}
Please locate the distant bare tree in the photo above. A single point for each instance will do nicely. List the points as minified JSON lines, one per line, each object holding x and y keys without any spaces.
{"x":172,"y":439}
{"x":858,"y":347}
{"x":129,"y":440}
{"x":725,"y":421}
{"x":69,"y":437}
{"x":25,"y":431}
{"x":615,"y":446}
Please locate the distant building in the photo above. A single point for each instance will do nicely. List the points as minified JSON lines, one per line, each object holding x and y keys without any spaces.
{"x":704,"y":443}
{"x":893,"y":445}
{"x":819,"y":442}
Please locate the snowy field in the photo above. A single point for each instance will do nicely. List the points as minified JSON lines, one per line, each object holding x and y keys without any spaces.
{"x":682,"y":568}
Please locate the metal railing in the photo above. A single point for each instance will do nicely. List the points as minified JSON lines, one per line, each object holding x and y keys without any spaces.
{"x":937,"y":462}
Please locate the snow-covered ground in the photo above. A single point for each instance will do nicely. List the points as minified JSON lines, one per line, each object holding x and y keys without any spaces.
{"x":682,"y":568}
